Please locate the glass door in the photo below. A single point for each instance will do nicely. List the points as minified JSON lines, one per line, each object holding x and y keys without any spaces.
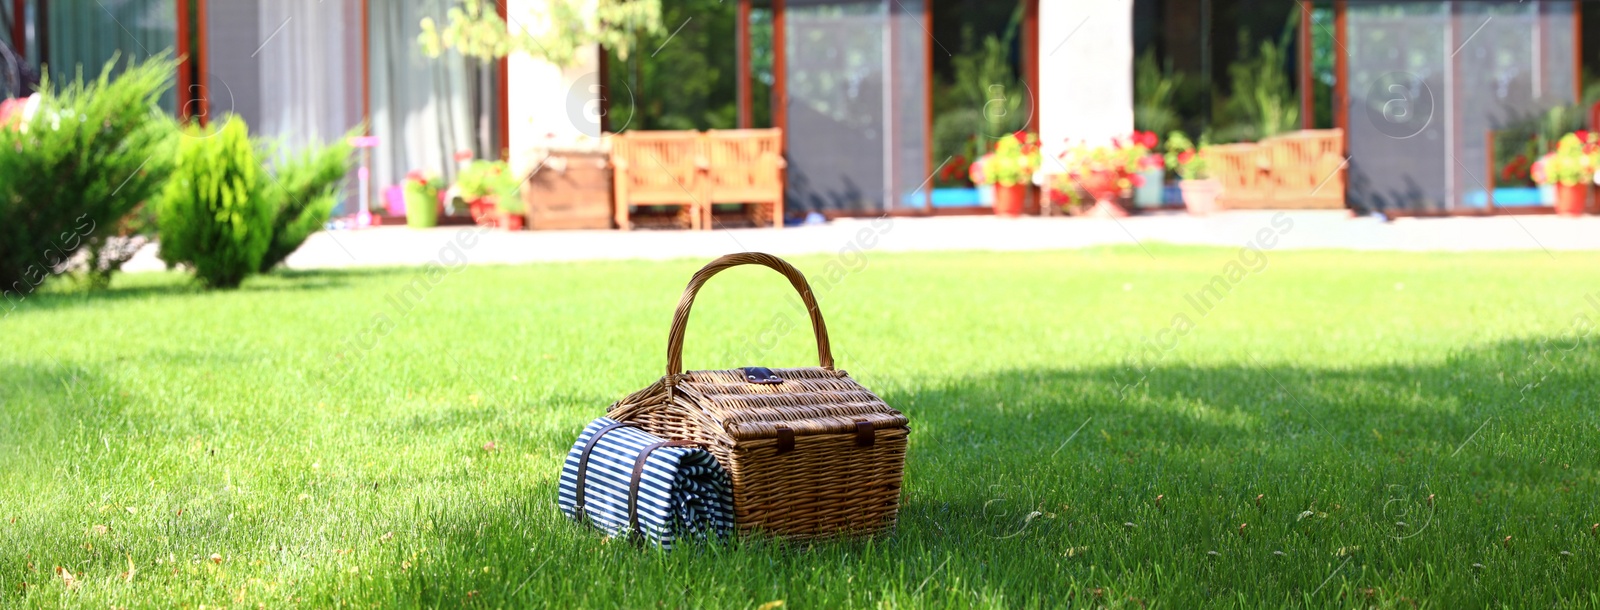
{"x":856,"y":75}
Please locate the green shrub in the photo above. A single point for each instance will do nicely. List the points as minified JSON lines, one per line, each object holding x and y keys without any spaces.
{"x":214,"y":215}
{"x":303,"y":192}
{"x":91,"y":154}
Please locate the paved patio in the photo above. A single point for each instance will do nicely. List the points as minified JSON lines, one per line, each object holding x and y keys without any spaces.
{"x":1324,"y":230}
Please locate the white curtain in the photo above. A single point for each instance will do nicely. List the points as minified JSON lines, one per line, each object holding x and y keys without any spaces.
{"x":424,"y":109}
{"x":310,"y":70}
{"x":292,"y":69}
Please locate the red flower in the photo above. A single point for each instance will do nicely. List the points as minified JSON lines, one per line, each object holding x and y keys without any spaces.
{"x":950,"y":170}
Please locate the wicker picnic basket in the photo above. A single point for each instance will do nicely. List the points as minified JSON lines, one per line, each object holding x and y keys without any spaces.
{"x":812,"y":453}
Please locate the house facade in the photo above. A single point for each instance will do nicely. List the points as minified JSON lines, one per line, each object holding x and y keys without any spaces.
{"x":1419,"y":88}
{"x":298,"y":71}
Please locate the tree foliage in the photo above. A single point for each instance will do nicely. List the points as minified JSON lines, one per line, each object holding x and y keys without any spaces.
{"x":475,"y":29}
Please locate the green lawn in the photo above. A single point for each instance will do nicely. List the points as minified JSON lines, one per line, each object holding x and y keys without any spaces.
{"x":1396,"y":430}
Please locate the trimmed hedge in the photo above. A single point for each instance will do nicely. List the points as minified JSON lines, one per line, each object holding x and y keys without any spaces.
{"x":214,"y":215}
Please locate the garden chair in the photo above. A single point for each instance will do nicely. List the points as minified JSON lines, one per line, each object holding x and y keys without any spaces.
{"x":1301,"y":165}
{"x":1243,"y":171}
{"x":745,"y":166}
{"x":659,"y":168}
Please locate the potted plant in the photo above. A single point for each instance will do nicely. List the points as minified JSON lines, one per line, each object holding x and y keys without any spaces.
{"x":1105,"y":171}
{"x":421,"y":190}
{"x":1153,"y":177}
{"x":1193,"y":167}
{"x":1008,"y":168}
{"x":1571,"y":169}
{"x":481,"y":185}
{"x":509,"y":206}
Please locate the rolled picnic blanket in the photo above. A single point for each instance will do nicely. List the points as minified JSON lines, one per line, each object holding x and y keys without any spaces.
{"x":628,"y":482}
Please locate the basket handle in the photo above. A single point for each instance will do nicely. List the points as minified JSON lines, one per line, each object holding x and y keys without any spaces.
{"x":680,"y":319}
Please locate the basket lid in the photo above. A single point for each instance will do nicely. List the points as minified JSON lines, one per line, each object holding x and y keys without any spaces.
{"x":756,"y":403}
{"x":807,"y":401}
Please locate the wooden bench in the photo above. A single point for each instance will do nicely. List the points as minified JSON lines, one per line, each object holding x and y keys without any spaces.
{"x":695,"y":171}
{"x":1300,"y":169}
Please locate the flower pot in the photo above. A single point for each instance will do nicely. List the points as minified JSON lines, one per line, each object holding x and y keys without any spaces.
{"x":511,"y":221}
{"x":1149,"y":194}
{"x":1570,"y":199}
{"x":421,"y":210}
{"x":1200,"y":196}
{"x":483,"y":211}
{"x":1008,"y":199}
{"x":1104,"y":188}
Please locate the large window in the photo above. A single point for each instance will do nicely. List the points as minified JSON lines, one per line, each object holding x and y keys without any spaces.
{"x":1428,"y":81}
{"x":85,"y":34}
{"x":857,"y":105}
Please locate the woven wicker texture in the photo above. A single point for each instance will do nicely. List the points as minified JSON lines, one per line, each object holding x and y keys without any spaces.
{"x":842,"y":474}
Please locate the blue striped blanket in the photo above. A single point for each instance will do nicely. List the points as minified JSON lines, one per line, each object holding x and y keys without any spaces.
{"x":672,"y":491}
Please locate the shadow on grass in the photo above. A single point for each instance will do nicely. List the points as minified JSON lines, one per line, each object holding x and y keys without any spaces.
{"x":1037,"y":486}
{"x":63,"y":293}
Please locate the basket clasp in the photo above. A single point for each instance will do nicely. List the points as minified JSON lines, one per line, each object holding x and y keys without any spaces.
{"x":761,"y":375}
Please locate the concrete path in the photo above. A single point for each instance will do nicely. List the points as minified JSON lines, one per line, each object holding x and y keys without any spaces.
{"x":1325,"y":230}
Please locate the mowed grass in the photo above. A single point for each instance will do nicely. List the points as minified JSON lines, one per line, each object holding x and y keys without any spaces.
{"x":1340,"y":430}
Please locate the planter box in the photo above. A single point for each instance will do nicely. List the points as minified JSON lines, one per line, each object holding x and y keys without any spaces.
{"x":572,"y":190}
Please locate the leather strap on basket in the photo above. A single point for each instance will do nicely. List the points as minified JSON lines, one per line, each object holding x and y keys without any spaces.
{"x":866,"y":435}
{"x":785,"y":439}
{"x":583,"y":460}
{"x":680,"y":319}
{"x":638,"y":474}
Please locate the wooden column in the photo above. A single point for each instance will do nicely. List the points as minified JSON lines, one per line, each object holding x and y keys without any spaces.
{"x":780,"y":75}
{"x":19,"y":27}
{"x":202,"y":73}
{"x":1030,"y":62}
{"x":1341,"y":72}
{"x":742,"y":71}
{"x":502,"y":107}
{"x":1308,"y":95}
{"x":927,"y":99}
{"x":185,"y":99}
